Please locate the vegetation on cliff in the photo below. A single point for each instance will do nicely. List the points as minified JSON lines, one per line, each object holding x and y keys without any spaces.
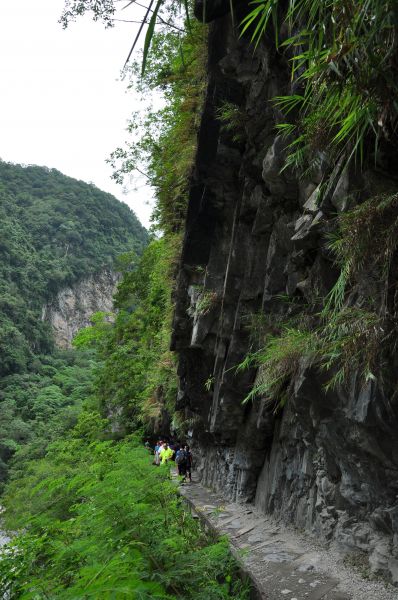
{"x":341,"y":120}
{"x":344,"y":67}
{"x":165,"y":151}
{"x":137,"y":380}
{"x":337,"y":333}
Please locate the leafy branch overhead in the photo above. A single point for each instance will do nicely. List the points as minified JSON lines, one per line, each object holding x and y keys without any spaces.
{"x":174,"y":15}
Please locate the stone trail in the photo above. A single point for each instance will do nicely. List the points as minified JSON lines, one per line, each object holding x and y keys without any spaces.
{"x":280,"y":564}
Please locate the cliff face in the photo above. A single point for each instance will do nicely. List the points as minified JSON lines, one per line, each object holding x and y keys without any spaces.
{"x":328,"y":461}
{"x":73,"y":306}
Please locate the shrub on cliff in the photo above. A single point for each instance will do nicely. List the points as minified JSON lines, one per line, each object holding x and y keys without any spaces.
{"x":343,"y":63}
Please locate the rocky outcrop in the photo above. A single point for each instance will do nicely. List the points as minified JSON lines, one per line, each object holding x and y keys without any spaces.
{"x":328,"y":462}
{"x":72,"y":307}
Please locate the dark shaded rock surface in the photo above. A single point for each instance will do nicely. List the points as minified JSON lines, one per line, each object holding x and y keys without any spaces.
{"x":328,"y":462}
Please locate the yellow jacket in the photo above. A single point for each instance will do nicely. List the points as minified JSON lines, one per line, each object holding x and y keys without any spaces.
{"x":165,"y":455}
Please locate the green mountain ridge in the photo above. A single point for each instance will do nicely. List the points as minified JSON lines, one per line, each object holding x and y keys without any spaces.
{"x":54,"y":230}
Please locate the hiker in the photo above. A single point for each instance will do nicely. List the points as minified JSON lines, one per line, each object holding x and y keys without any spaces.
{"x":181,"y":462}
{"x":188,"y":456}
{"x":172,"y":446}
{"x":165,"y":453}
{"x":157,"y":453}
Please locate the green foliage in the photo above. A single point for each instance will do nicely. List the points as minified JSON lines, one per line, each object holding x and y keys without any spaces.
{"x":96,"y":519}
{"x":209,"y":383}
{"x":103,"y":10}
{"x":54,"y":230}
{"x":278,"y":361}
{"x":164,"y":141}
{"x":365,"y":241}
{"x":340,"y":341}
{"x":343,"y":55}
{"x":356,"y":338}
{"x":344,"y":338}
{"x":95,"y":334}
{"x":149,"y":33}
{"x":232,"y":119}
{"x":36,"y":408}
{"x":352,"y":341}
{"x":168,"y":14}
{"x":207,"y":301}
{"x":137,"y":378}
{"x":355,"y":332}
{"x":264,"y":12}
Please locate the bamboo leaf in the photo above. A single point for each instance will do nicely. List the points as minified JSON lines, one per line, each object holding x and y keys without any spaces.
{"x":144,"y":20}
{"x":149,"y":34}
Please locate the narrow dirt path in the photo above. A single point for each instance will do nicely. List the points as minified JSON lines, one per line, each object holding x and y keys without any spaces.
{"x":281,"y":563}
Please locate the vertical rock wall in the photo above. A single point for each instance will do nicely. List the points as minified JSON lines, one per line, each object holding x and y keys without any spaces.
{"x":73,"y":307}
{"x":328,"y":462}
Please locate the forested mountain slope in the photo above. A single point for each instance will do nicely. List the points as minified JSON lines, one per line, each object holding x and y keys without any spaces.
{"x":55,"y":231}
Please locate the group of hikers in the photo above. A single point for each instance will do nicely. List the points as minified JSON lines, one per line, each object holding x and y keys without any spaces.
{"x":177,"y":452}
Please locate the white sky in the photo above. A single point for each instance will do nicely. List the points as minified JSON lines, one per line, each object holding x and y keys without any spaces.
{"x":62,"y":103}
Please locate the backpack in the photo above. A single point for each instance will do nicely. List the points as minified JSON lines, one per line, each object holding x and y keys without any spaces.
{"x":180,"y":457}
